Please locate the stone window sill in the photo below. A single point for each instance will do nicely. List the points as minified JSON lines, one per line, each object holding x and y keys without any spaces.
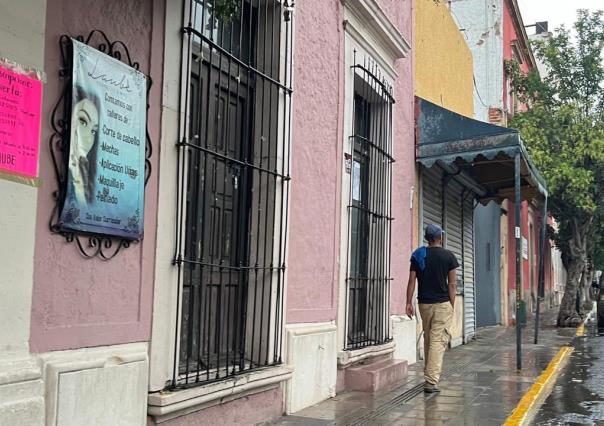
{"x":167,"y":405}
{"x":347,"y":358}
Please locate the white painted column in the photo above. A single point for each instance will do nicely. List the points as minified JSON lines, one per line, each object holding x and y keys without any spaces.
{"x":22,"y":27}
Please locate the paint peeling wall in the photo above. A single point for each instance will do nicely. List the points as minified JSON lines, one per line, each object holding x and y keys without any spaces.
{"x":77,"y":302}
{"x":443,"y":61}
{"x":481,"y":23}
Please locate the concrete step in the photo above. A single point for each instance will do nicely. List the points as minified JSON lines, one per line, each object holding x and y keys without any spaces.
{"x":375,"y":376}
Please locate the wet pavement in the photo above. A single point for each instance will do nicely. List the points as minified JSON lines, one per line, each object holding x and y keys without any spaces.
{"x":480,"y":385}
{"x":578,"y":395}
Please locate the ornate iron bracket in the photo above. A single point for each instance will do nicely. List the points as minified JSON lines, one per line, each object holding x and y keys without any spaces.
{"x":89,"y":245}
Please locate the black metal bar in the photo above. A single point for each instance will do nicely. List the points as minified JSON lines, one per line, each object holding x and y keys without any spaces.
{"x":249,"y":67}
{"x":389,"y":223}
{"x":268,"y":181}
{"x":234,"y":230}
{"x":228,"y":236}
{"x":237,"y":227}
{"x":257,"y":213}
{"x":284,"y":163}
{"x":541,"y":288}
{"x":247,"y":188}
{"x":289,"y":64}
{"x":243,"y":163}
{"x":178,"y":227}
{"x":379,"y":198}
{"x":275,"y":234}
{"x":198,"y":254}
{"x":518,"y":235}
{"x":386,"y":90}
{"x":189,"y":329}
{"x":371,"y":303}
{"x":267,"y":141}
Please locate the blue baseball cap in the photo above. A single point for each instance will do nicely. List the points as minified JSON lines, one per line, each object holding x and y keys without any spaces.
{"x":432,"y":232}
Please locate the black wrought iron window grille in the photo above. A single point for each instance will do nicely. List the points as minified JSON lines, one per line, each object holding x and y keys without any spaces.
{"x":233,"y":189}
{"x":369,"y":209}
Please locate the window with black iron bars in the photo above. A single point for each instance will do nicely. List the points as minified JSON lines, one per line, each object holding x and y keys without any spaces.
{"x":369,"y":209}
{"x":233,"y":190}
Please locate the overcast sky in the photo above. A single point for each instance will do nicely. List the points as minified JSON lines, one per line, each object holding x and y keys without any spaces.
{"x":556,"y":12}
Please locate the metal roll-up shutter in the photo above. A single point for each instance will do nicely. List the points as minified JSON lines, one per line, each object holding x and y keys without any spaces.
{"x":468,"y":271}
{"x":431,"y":196}
{"x":453,"y":225}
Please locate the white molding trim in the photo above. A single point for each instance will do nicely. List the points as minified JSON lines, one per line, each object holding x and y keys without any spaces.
{"x":19,"y":369}
{"x":347,"y":358}
{"x":306,"y":329}
{"x":370,"y":15}
{"x":56,"y":363}
{"x":21,"y":390}
{"x":167,"y":405}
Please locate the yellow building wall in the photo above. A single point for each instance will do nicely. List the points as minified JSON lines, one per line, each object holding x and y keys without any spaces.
{"x":443,"y":61}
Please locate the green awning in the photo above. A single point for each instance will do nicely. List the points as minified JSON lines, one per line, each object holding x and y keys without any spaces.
{"x":483,"y":151}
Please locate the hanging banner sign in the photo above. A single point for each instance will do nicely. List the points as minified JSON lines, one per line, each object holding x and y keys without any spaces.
{"x":106,"y":160}
{"x":20,"y":105}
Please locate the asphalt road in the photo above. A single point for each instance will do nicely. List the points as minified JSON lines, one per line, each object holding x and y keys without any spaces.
{"x":578,"y":395}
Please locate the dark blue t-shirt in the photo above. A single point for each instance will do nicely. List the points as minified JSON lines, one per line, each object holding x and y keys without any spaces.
{"x":433,"y":283}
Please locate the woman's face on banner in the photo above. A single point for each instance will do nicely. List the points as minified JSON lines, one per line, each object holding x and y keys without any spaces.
{"x":85,"y":123}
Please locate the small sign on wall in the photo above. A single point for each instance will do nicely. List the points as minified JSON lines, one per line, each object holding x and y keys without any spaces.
{"x":20,"y":108}
{"x":524,"y":248}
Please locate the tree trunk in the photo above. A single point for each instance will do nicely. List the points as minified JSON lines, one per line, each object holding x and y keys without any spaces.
{"x":589,"y":290}
{"x":569,"y":314}
{"x":585,"y":290}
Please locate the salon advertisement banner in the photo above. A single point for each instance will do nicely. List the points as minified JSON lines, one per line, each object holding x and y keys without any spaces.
{"x":106,"y":159}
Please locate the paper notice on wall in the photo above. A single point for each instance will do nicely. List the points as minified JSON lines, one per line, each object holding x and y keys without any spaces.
{"x":524,"y":248}
{"x":20,"y":106}
{"x":356,"y":181}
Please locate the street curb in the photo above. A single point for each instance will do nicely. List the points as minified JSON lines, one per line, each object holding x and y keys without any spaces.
{"x":540,"y":389}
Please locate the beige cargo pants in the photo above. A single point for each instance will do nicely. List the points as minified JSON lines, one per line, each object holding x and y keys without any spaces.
{"x":436,"y":320}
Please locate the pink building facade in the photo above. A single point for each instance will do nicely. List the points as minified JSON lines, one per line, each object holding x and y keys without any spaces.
{"x":277,"y":215}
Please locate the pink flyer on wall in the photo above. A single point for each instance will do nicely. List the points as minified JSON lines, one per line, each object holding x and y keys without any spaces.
{"x":20,"y":109}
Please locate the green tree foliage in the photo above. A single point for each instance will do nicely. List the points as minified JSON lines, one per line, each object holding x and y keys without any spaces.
{"x":225,"y":10}
{"x":564,"y":133}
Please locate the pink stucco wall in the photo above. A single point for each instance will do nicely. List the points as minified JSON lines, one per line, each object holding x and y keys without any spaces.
{"x":249,"y":410}
{"x":317,"y":153}
{"x":78,"y":302}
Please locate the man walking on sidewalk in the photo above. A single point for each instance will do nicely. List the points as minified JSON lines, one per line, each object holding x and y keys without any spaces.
{"x":434,"y":267}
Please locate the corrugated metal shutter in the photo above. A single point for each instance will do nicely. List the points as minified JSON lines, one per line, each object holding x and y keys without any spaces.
{"x":431,"y":196}
{"x":468,"y":264}
{"x":432,"y":212}
{"x":453,"y":228}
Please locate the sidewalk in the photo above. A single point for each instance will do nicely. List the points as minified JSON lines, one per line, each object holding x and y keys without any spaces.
{"x":480,"y":385}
